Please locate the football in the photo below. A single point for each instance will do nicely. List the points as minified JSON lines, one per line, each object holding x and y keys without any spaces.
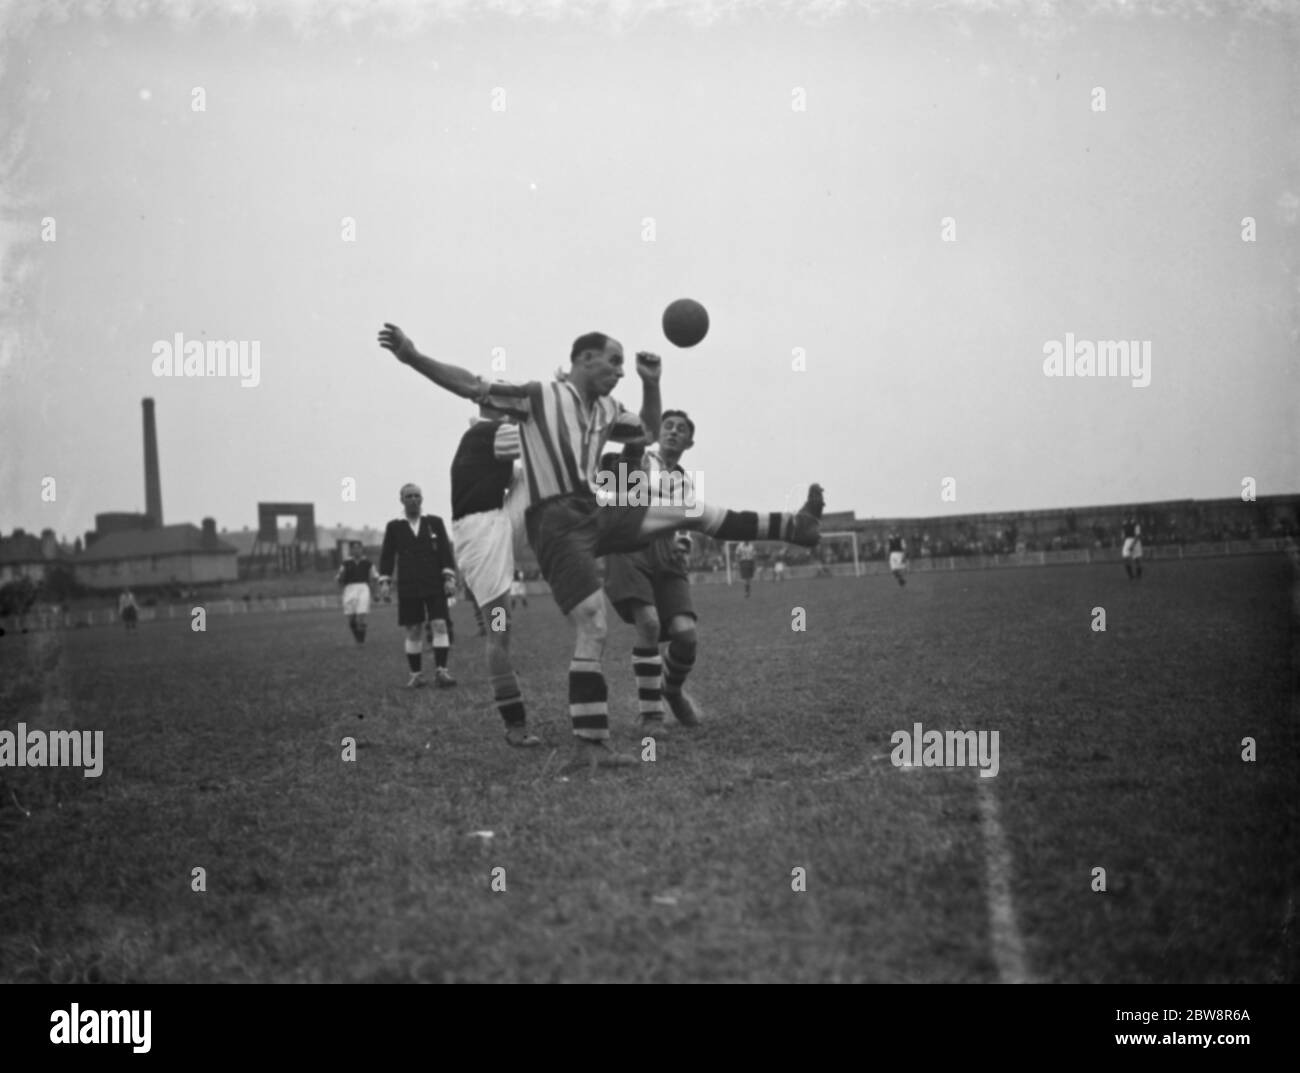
{"x":686,"y":322}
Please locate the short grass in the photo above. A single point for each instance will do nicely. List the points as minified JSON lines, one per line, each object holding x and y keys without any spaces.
{"x":1119,"y":750}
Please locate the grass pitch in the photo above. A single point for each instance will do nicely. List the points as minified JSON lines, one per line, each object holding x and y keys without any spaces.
{"x":1119,"y":750}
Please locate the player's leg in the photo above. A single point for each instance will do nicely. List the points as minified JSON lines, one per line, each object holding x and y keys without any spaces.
{"x":355,"y":609}
{"x":410,"y":617}
{"x":647,"y":668}
{"x":563,"y":533}
{"x":486,"y":555}
{"x":629,"y":586}
{"x":801,"y":528}
{"x":679,"y":661}
{"x":677,"y":613}
{"x":588,"y":690}
{"x":506,"y":694}
{"x":441,"y":640}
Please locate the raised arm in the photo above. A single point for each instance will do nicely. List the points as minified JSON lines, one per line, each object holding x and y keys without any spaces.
{"x":649,"y":367}
{"x":458,"y":381}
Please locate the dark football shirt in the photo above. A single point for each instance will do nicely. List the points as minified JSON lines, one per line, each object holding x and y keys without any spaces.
{"x":478,"y":478}
{"x":356,"y":571}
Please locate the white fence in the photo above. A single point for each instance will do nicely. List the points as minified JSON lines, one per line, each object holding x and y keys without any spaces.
{"x":47,"y":618}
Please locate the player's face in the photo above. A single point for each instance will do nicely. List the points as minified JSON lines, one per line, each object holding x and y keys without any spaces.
{"x":411,"y":500}
{"x":675,"y":434}
{"x":354,"y":550}
{"x":605,"y":368}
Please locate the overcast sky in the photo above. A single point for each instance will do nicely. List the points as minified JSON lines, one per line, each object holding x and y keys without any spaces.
{"x":519,"y":174}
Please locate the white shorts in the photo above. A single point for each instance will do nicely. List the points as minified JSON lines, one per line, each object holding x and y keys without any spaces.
{"x":485,"y":553}
{"x":518,"y":588}
{"x":356,"y":599}
{"x":1132,"y":548}
{"x":516,"y":506}
{"x":896,"y":561}
{"x":778,"y":569}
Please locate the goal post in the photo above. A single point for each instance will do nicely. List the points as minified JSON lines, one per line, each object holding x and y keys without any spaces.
{"x":853,"y":536}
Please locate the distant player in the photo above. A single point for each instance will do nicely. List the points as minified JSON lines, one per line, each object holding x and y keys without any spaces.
{"x":650,"y":588}
{"x":355,"y":577}
{"x":481,"y":475}
{"x":898,"y":557}
{"x":1132,"y":551}
{"x":564,"y":426}
{"x":418,"y":546}
{"x":518,"y":590}
{"x":127,"y":609}
{"x":745,"y":557}
{"x":778,"y":569}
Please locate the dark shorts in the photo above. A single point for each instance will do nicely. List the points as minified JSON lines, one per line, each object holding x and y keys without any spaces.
{"x":568,"y":534}
{"x":746,"y":569}
{"x":130,"y":614}
{"x":655,"y":575}
{"x":414,"y":610}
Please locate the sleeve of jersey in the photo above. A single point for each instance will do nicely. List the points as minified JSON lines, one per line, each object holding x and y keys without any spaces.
{"x":506,"y":444}
{"x":513,"y":399}
{"x":388,"y":553}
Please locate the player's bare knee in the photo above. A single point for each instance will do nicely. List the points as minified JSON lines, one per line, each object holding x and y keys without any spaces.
{"x":589,"y":616}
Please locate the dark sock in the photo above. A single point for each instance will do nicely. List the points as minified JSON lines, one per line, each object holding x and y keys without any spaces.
{"x":647,"y":669}
{"x":678,"y":661}
{"x":588,"y":700}
{"x":749,"y":525}
{"x":508,"y":699}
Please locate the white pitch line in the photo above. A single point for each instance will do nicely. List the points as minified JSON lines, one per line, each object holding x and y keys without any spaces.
{"x":1008,"y":946}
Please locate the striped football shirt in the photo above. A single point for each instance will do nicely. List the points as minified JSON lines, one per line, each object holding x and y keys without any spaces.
{"x":668,"y":484}
{"x":561,"y":437}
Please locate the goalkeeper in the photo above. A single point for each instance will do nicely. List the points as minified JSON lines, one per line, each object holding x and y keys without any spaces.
{"x":650,"y":588}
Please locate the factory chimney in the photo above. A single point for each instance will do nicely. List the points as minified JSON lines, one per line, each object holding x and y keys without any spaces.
{"x":152,"y":480}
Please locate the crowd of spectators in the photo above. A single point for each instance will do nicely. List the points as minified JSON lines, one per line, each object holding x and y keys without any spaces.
{"x":995,"y":537}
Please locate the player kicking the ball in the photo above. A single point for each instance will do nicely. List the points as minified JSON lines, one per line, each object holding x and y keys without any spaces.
{"x":564,"y":426}
{"x":650,"y":588}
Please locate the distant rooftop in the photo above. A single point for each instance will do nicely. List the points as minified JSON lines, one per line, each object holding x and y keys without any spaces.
{"x":166,"y":540}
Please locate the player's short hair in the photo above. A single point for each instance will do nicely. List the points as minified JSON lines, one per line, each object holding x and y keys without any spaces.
{"x":677,"y":413}
{"x":590,"y":341}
